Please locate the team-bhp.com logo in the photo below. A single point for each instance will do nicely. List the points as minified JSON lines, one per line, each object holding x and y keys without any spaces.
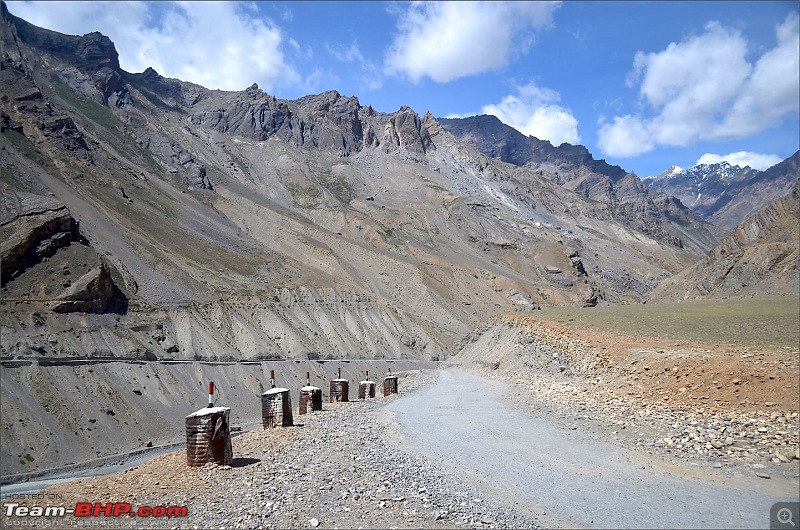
{"x":93,"y":509}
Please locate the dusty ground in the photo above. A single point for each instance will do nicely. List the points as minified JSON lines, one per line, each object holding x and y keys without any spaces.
{"x":332,"y":469}
{"x":740,"y":354}
{"x":669,"y":390}
{"x":691,"y":404}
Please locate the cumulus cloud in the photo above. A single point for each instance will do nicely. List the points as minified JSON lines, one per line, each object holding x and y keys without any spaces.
{"x":626,"y":136}
{"x":214,"y":44}
{"x":742,"y":159}
{"x":534,"y":111}
{"x":448,"y":40}
{"x":703,"y":88}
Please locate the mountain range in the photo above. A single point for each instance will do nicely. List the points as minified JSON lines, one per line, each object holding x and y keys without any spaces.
{"x":724,"y":194}
{"x":148,"y":218}
{"x":157,"y":234}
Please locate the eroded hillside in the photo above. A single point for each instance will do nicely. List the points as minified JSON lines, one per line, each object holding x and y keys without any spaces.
{"x":759,"y":256}
{"x":206,"y":208}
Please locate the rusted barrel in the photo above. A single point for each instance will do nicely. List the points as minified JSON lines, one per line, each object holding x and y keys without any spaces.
{"x":276,"y":408}
{"x":208,"y":437}
{"x":310,"y":399}
{"x":366,"y":389}
{"x":340,"y":390}
{"x":390,"y":385}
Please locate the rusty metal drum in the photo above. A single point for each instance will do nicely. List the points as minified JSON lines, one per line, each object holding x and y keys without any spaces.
{"x":366,"y":389}
{"x":389,"y":386}
{"x":339,"y":390}
{"x":310,"y":399}
{"x":208,"y":437}
{"x":276,"y":408}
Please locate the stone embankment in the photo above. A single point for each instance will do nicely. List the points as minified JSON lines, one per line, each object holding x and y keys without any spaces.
{"x":728,"y":439}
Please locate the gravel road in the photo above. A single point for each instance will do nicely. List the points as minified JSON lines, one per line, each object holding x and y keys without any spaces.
{"x":452,"y":450}
{"x":466,"y":425}
{"x":339,"y":468}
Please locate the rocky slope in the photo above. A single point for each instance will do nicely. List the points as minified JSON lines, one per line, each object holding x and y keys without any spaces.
{"x":624,"y":197}
{"x":199,"y":200}
{"x":726,"y":195}
{"x":760,"y":256}
{"x":148,"y":219}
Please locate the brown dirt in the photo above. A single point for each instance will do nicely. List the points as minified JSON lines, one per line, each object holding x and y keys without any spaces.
{"x":690,"y":373}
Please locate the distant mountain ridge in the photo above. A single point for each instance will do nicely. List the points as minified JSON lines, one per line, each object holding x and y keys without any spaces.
{"x":759,"y":256}
{"x":495,"y":139}
{"x":724,"y":194}
{"x":574,"y":168}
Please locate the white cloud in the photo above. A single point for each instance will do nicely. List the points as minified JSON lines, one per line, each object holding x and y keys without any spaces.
{"x":742,"y":158}
{"x":214,"y":44}
{"x":625,"y":137}
{"x":448,"y":40}
{"x":773,"y":89}
{"x":703,"y":88}
{"x":534,"y":111}
{"x":455,"y":115}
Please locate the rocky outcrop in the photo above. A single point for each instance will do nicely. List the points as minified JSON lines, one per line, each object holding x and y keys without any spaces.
{"x":405,"y":129}
{"x":255,"y":115}
{"x":33,"y":227}
{"x":92,"y":60}
{"x":91,"y":293}
{"x":495,"y":139}
{"x":327,"y":122}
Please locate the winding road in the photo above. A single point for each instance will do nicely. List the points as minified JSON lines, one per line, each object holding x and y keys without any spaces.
{"x":565,"y":478}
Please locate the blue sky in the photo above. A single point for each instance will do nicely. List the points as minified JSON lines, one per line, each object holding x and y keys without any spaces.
{"x":644,"y":85}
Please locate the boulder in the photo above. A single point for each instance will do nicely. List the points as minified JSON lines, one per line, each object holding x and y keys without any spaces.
{"x":91,"y":293}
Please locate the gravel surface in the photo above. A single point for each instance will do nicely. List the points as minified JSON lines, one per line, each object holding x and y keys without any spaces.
{"x":452,"y":450}
{"x":724,"y":412}
{"x":468,"y":425}
{"x":338,"y":468}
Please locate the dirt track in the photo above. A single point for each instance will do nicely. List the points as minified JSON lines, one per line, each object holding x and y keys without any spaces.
{"x":565,"y":478}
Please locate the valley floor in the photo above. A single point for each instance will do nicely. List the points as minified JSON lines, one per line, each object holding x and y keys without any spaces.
{"x":451,"y":450}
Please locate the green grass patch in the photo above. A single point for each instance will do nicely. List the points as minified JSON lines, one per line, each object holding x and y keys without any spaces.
{"x":762,"y":321}
{"x":28,"y":149}
{"x":99,"y":114}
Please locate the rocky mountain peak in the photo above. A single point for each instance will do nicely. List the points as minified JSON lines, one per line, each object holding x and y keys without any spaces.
{"x":495,"y":139}
{"x":726,"y":194}
{"x":88,"y":53}
{"x":574,"y":168}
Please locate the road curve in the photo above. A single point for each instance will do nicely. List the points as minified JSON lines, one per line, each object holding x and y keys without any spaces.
{"x":565,"y":478}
